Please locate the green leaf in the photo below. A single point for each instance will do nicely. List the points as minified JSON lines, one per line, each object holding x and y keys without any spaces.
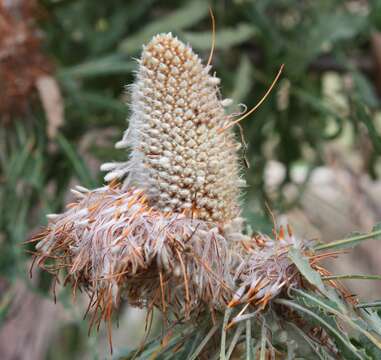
{"x":344,"y":317}
{"x":362,"y":114}
{"x":107,"y":65}
{"x":227,"y":314}
{"x":324,"y":323}
{"x":189,"y":14}
{"x":369,"y":304}
{"x":352,"y":277}
{"x":233,"y":343}
{"x":316,"y":348}
{"x":225,"y":38}
{"x":262,"y":354}
{"x":365,"y":90}
{"x":303,"y":265}
{"x":5,"y":304}
{"x":339,"y":26}
{"x":249,"y":340}
{"x":243,"y":80}
{"x":351,"y":241}
{"x":79,"y":166}
{"x":206,"y":339}
{"x":317,"y":104}
{"x":377,"y":228}
{"x":99,"y":101}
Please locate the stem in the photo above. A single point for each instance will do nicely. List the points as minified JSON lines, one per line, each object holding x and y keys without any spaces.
{"x":343,"y":242}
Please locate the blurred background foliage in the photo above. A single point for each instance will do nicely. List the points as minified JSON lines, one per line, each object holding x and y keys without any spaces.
{"x":92,"y":48}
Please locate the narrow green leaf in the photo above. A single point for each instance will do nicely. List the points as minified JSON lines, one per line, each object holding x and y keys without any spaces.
{"x":249,"y":340}
{"x":323,"y":322}
{"x":368,"y":305}
{"x":235,"y":339}
{"x":189,"y":14}
{"x":204,"y":342}
{"x":262,"y":354}
{"x":79,"y":166}
{"x":350,"y":242}
{"x":225,"y":38}
{"x":243,"y":81}
{"x":228,"y":312}
{"x":363,"y":115}
{"x":316,"y":103}
{"x":316,"y":348}
{"x":5,"y":304}
{"x":107,"y":65}
{"x":97,"y":101}
{"x":365,"y":89}
{"x":352,"y":277}
{"x":343,"y":317}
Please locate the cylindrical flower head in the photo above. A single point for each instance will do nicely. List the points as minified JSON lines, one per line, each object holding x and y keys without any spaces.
{"x":180,"y":153}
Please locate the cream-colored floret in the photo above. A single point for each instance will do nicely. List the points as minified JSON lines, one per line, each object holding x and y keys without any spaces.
{"x":179,"y":155}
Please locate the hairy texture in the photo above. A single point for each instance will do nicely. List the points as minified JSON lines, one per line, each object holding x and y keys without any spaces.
{"x":113,"y":243}
{"x":169,"y":235}
{"x":180,"y":154}
{"x":116,"y":245}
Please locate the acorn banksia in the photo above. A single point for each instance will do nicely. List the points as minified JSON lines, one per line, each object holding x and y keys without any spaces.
{"x":166,"y":231}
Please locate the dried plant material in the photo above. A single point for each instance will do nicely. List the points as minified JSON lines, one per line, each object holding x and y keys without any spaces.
{"x":52,"y":102}
{"x":114,"y":242}
{"x":116,"y":245}
{"x":21,"y":59}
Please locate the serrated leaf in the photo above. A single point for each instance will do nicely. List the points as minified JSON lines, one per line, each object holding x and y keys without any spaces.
{"x":303,"y":265}
{"x":372,"y":318}
{"x":342,"y":316}
{"x":186,"y":16}
{"x":325,"y":324}
{"x":316,"y":348}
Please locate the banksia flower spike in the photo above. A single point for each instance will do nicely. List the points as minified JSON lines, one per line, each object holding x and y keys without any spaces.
{"x":179,"y":156}
{"x":171,"y":211}
{"x":166,"y":230}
